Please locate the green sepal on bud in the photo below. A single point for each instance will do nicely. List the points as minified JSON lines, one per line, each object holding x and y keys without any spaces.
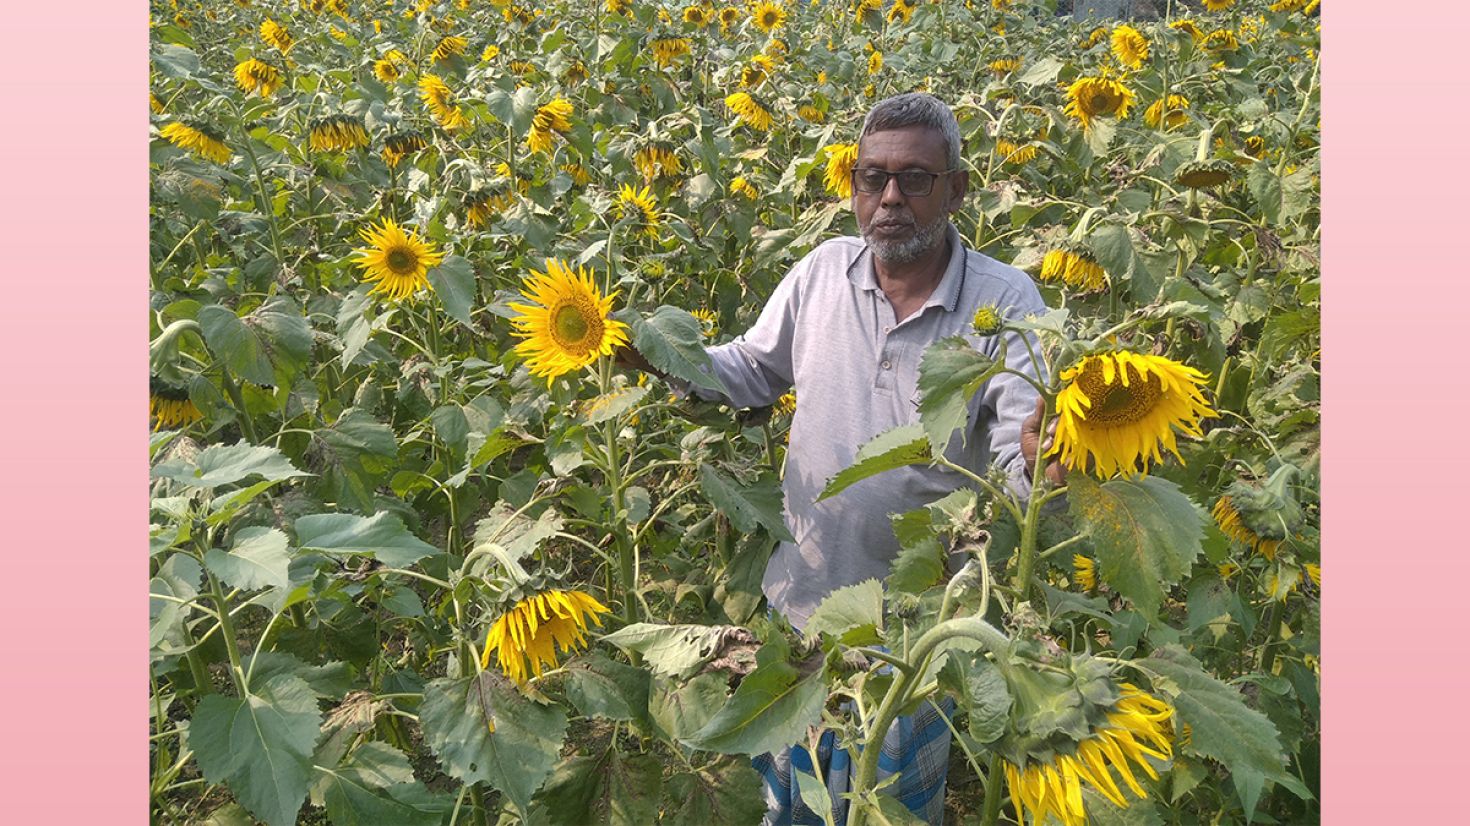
{"x":1269,"y":510}
{"x":988,"y":320}
{"x":1058,"y":700}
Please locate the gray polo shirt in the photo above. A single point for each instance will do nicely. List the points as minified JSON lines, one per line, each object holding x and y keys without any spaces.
{"x":829,"y":332}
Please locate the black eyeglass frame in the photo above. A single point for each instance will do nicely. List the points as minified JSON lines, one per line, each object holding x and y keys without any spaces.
{"x":913,"y":173}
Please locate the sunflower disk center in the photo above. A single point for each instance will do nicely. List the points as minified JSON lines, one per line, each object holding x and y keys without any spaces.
{"x":570,"y":325}
{"x":402,"y":261}
{"x":1119,"y":405}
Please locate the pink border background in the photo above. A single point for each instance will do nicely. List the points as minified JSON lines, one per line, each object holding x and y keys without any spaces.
{"x":72,"y":315}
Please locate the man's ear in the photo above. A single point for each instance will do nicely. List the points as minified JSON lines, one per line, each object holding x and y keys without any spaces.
{"x":959,"y":184}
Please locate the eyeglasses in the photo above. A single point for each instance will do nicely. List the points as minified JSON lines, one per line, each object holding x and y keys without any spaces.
{"x":915,"y":183}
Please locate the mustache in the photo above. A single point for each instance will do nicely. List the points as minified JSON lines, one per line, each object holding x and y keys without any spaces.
{"x":892,"y":217}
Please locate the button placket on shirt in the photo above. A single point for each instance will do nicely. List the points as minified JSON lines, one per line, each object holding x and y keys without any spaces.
{"x":884,"y":375}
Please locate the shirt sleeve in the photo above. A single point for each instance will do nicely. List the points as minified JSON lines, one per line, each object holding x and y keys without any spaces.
{"x":756,"y":367}
{"x":1007,"y":399}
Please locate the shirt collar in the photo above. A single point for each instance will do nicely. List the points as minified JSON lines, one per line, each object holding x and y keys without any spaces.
{"x":946,"y":293}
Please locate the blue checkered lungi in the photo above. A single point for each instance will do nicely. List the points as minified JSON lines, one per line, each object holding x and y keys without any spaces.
{"x":916,"y":748}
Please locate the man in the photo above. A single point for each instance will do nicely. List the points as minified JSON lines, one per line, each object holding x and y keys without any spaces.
{"x":846,"y":329}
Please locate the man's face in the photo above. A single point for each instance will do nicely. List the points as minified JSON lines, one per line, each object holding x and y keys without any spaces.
{"x":901,"y":228}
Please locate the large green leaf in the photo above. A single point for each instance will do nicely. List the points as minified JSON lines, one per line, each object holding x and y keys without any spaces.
{"x":1112,"y":245}
{"x":454,"y":285}
{"x":853,"y":613}
{"x":264,"y":347}
{"x":358,"y":452}
{"x":376,"y":786}
{"x":982,"y":692}
{"x":1222,"y":725}
{"x":670,"y":650}
{"x":951,"y":372}
{"x":747,"y":507}
{"x":1265,"y":189}
{"x":219,"y":465}
{"x":259,"y":745}
{"x":681,"y":710}
{"x":258,"y":558}
{"x":600,"y":687}
{"x":673,"y":341}
{"x":516,"y":533}
{"x":485,"y":731}
{"x":772,"y":708}
{"x":893,"y":448}
{"x":728,"y":793}
{"x":613,"y":789}
{"x":381,"y":536}
{"x":1147,"y":534}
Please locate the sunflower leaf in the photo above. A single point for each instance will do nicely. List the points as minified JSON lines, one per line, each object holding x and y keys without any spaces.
{"x":951,"y":372}
{"x":613,"y":789}
{"x":747,"y":507}
{"x":219,"y":465}
{"x":257,"y":559}
{"x":358,"y":452}
{"x":1222,"y":725}
{"x":893,"y":448}
{"x":1147,"y":534}
{"x":772,"y":708}
{"x":670,"y":650}
{"x":600,"y":687}
{"x":673,"y":341}
{"x":238,"y":346}
{"x":485,"y":731}
{"x":454,"y":285}
{"x":381,"y":536}
{"x":725,"y":794}
{"x":260,"y":745}
{"x":854,"y":608}
{"x":376,"y":785}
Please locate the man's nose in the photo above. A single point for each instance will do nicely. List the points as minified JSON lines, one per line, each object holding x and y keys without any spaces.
{"x":892,"y":195}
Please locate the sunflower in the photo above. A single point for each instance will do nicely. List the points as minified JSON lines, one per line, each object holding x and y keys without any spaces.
{"x":840,"y":159}
{"x":875,"y":62}
{"x":567,"y":327}
{"x":1093,"y":38}
{"x":622,"y":7}
{"x":1255,"y":146}
{"x":646,"y":206}
{"x":767,"y":16}
{"x":1221,"y":40}
{"x":1002,"y":5}
{"x":1218,"y":5}
{"x":1096,"y":96}
{"x":1005,"y":65}
{"x":274,"y":34}
{"x":547,"y":122}
{"x":1119,"y":408}
{"x":1085,"y":570}
{"x":1177,"y":117}
{"x":400,"y":145}
{"x":482,"y":204}
{"x":399,"y":262}
{"x":757,"y":70}
{"x":1074,"y":266}
{"x":578,"y":173}
{"x":863,"y":8}
{"x":810,"y":113}
{"x":197,"y":138}
{"x":987,"y":320}
{"x":708,"y":321}
{"x":901,"y":10}
{"x":1016,"y":151}
{"x":1129,"y":46}
{"x":1314,"y":573}
{"x":786,"y":404}
{"x":696,"y":16}
{"x":1227,"y":516}
{"x":1204,"y":174}
{"x":447,"y":47}
{"x":386,"y":67}
{"x":257,"y":76}
{"x":666,"y":50}
{"x":441,"y":102}
{"x":489,"y":53}
{"x":729,"y":16}
{"x":657,"y":160}
{"x":534,"y":628}
{"x":575,"y":73}
{"x":751,"y":111}
{"x":1137,"y":728}
{"x":337,"y":132}
{"x":170,"y":406}
{"x":741,"y":186}
{"x":1189,"y":26}
{"x":154,"y":104}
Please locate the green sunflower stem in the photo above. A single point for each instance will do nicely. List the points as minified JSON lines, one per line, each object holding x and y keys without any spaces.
{"x":232,"y":389}
{"x":627,"y":550}
{"x":900,"y":691}
{"x":227,"y":630}
{"x":993,"y":794}
{"x":265,"y":201}
{"x":1026,"y":555}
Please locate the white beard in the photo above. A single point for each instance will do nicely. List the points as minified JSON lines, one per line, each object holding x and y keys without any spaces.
{"x":924,"y":239}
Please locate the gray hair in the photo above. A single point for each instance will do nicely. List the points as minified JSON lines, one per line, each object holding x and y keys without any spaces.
{"x":916,"y":109}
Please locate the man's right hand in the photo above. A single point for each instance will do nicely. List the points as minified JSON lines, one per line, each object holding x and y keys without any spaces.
{"x":1031,"y":442}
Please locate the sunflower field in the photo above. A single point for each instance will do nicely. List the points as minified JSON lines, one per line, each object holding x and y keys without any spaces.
{"x":423,"y":552}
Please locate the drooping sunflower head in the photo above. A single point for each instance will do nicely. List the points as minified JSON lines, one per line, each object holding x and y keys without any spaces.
{"x":448,"y":46}
{"x":275,"y":35}
{"x":666,"y":50}
{"x":902,"y":11}
{"x":657,"y":160}
{"x":1227,"y":517}
{"x":389,"y":67}
{"x":1117,"y":409}
{"x":1073,"y":724}
{"x":552,"y":118}
{"x":1204,"y":174}
{"x":198,"y":138}
{"x":337,"y":132}
{"x":154,"y":104}
{"x":757,"y":70}
{"x":786,"y":404}
{"x":1094,"y":96}
{"x":1218,"y":5}
{"x":527,"y":636}
{"x":1255,"y":146}
{"x":1189,"y":27}
{"x":1075,"y":266}
{"x":1004,"y":66}
{"x":1129,"y":46}
{"x":841,"y":157}
{"x":875,"y":62}
{"x":1094,"y":37}
{"x":709,"y":322}
{"x":400,"y":145}
{"x":623,"y":7}
{"x":578,"y":173}
{"x":1154,"y":116}
{"x":767,"y":15}
{"x":566,"y":328}
{"x":397,"y":263}
{"x":1261,"y":515}
{"x":751,"y":111}
{"x":740,"y":185}
{"x":170,"y":406}
{"x":1221,"y":40}
{"x":641,"y":204}
{"x":257,"y":76}
{"x":811,"y":113}
{"x":1085,"y":571}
